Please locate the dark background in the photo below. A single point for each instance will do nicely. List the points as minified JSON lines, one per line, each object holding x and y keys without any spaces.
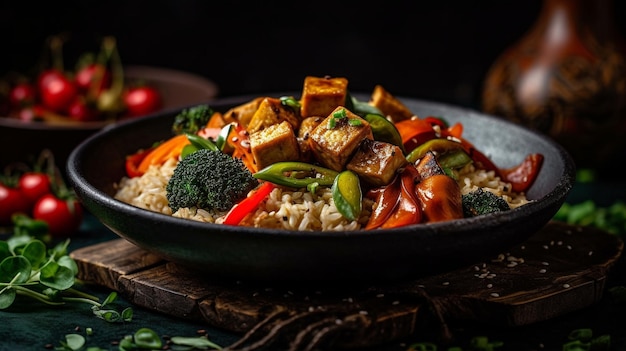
{"x":435,"y":50}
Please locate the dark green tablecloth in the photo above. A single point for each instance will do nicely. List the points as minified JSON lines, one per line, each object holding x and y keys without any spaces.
{"x":30,"y":325}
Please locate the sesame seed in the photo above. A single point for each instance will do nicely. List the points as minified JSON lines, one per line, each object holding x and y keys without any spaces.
{"x":545,"y":263}
{"x":543,"y":270}
{"x":395,"y":302}
{"x":569,"y":247}
{"x":489,"y":285}
{"x":545,"y":247}
{"x":445,"y":283}
{"x":590,"y":253}
{"x":363,"y":313}
{"x":495,"y":295}
{"x":380,"y":295}
{"x":566,"y":286}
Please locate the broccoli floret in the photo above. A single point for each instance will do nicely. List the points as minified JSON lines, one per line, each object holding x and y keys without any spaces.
{"x":209,"y":179}
{"x":192,"y":119}
{"x":481,"y":202}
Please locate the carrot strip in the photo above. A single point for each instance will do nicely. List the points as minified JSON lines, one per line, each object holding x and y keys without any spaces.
{"x":170,"y":148}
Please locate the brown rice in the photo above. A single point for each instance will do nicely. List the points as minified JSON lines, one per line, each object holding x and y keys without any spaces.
{"x":288,"y":209}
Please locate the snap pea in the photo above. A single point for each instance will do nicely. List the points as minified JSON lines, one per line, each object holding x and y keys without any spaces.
{"x":436,"y":145}
{"x":197,"y":143}
{"x":347,"y":194}
{"x":384,"y":130}
{"x":454,"y":159}
{"x":296,"y":174}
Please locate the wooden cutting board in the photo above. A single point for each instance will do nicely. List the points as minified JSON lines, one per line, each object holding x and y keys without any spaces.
{"x":560,"y":269}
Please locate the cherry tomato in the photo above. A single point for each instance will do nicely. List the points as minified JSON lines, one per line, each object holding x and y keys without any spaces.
{"x":11,"y":201}
{"x":22,"y":95}
{"x":95,"y":74}
{"x":142,"y":100}
{"x":80,"y":110}
{"x":64,"y":217}
{"x":46,"y":76}
{"x":34,"y":185}
{"x":57,"y":92}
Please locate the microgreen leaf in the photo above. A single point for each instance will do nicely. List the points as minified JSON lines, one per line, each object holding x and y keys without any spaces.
{"x":7,"y":296}
{"x":15,"y":269}
{"x":74,"y":341}
{"x":4,"y":250}
{"x":147,"y":338}
{"x":200,"y":342}
{"x":35,"y":252}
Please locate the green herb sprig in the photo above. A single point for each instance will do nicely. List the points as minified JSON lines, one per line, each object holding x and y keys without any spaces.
{"x":29,"y":268}
{"x":142,"y":339}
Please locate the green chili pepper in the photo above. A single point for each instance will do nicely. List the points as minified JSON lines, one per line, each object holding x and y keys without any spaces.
{"x":384,"y":130}
{"x":202,"y":143}
{"x":222,"y":138}
{"x":347,"y":194}
{"x":360,"y":108}
{"x":454,"y":159}
{"x":197,"y":143}
{"x":296,"y":174}
{"x":437,"y":145}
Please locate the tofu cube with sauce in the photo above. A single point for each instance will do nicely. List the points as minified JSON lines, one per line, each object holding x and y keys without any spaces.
{"x":275,"y":143}
{"x":243,"y":113}
{"x":321,"y":95}
{"x":377,"y":162}
{"x":334,"y":140}
{"x":389,"y":105}
{"x":271,"y":111}
{"x":306,"y":127}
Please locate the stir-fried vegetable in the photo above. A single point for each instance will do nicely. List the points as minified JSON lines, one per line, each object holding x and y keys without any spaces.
{"x":377,"y":150}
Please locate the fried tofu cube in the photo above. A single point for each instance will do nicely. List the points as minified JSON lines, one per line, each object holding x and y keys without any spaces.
{"x":271,"y":111}
{"x":243,"y":113}
{"x":377,"y":162}
{"x":334,"y":140}
{"x":321,"y":95}
{"x":306,"y":127}
{"x":275,"y":143}
{"x":389,"y":105}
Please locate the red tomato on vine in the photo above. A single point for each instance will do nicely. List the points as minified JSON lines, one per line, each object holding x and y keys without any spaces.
{"x":64,"y":216}
{"x":142,"y":100}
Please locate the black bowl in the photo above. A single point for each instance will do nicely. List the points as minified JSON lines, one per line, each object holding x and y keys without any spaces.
{"x":376,"y":256}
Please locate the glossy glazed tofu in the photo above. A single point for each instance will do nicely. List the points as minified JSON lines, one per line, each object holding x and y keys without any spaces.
{"x":377,"y":162}
{"x":334,"y":140}
{"x":306,"y":127}
{"x":321,"y":95}
{"x":271,"y":111}
{"x":275,"y":143}
{"x":389,"y":105}
{"x":243,"y":113}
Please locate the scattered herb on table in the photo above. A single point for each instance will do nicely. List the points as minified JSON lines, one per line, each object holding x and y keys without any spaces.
{"x":30,"y":269}
{"x":142,"y":339}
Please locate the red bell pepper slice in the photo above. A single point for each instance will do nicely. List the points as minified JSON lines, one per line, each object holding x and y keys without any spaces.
{"x":397,"y":204}
{"x":133,"y":161}
{"x":249,"y":204}
{"x":523,"y":175}
{"x":415,"y":132}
